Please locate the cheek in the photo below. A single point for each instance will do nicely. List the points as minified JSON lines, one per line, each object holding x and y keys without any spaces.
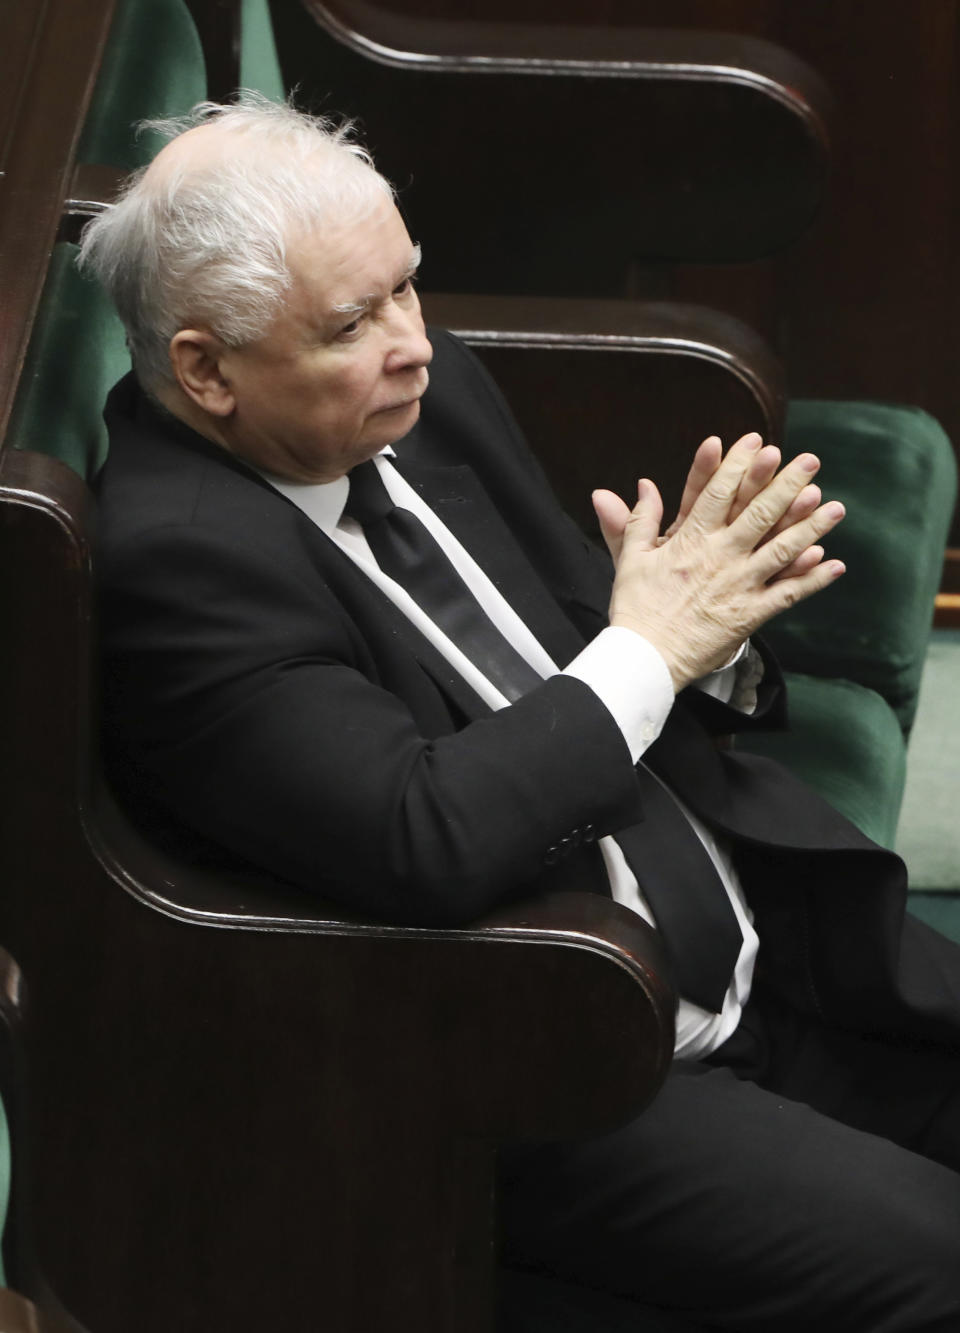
{"x":353,"y":393}
{"x":336,"y":398}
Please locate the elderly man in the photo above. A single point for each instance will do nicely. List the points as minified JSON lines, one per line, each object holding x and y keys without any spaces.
{"x":349,"y":638}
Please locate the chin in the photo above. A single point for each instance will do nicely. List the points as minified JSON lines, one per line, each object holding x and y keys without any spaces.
{"x":395,"y":422}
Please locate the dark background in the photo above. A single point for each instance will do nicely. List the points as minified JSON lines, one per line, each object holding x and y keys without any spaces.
{"x":864,"y":306}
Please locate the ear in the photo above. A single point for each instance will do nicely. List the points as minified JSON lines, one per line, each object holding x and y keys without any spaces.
{"x":195,"y":356}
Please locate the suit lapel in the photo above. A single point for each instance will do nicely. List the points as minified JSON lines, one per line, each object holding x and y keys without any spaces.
{"x":457,"y":498}
{"x":386,"y":629}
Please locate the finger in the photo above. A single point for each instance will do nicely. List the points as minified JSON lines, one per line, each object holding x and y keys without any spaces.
{"x":613,"y":514}
{"x":784,"y":593}
{"x":804,"y":562}
{"x":643,"y":524}
{"x":705,"y":463}
{"x":778,"y":554}
{"x":804,"y":505}
{"x":766,"y":509}
{"x":760,"y":473}
{"x":711,"y":509}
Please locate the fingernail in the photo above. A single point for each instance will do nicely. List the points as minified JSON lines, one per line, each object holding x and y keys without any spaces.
{"x":753,"y":442}
{"x":835,"y":509}
{"x":809,"y":462}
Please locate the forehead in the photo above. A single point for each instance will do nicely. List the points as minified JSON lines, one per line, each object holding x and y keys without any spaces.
{"x":352,"y":261}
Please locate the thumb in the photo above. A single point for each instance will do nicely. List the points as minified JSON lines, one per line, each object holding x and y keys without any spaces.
{"x":613,"y":516}
{"x":644,"y":519}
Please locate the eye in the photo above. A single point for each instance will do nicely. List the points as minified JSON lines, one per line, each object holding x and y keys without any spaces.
{"x":405,"y":287}
{"x":352,"y":329}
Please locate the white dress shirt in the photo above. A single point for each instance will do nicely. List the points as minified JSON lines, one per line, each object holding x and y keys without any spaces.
{"x":626,"y":673}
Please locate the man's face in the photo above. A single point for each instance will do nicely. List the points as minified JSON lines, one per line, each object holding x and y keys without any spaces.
{"x":341,"y":371}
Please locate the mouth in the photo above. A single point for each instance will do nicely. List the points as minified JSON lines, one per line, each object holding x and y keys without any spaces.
{"x":414,"y":398}
{"x":400,"y":407}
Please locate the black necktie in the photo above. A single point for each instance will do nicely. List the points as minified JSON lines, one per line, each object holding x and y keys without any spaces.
{"x":407,"y":552}
{"x":692,"y":908}
{"x":677,"y":877}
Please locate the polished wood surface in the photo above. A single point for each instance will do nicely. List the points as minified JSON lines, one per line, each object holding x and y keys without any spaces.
{"x":592,"y":154}
{"x":49,"y":57}
{"x":608,"y":391}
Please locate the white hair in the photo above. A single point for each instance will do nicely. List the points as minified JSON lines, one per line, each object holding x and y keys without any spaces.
{"x":205,"y":242}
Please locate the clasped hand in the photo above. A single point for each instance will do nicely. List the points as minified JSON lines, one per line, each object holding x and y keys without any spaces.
{"x":743,"y":547}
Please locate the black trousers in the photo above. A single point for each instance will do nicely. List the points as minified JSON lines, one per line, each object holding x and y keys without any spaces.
{"x":800,"y":1178}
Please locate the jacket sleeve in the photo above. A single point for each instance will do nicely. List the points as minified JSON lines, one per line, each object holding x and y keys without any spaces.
{"x":253,"y":711}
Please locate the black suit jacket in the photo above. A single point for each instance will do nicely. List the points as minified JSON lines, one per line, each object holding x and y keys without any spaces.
{"x":259,"y":689}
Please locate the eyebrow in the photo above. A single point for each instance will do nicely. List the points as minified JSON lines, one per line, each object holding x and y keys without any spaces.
{"x":365,"y":302}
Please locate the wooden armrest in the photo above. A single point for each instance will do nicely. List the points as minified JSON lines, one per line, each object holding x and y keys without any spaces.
{"x":531,"y":986}
{"x":643,"y":382}
{"x":545,"y":49}
{"x":598,"y":325}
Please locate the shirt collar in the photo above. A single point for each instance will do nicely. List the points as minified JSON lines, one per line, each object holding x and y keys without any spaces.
{"x":321,"y":501}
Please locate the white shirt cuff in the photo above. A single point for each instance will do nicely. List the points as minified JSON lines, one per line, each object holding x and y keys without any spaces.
{"x":735,"y":683}
{"x":631,"y":679}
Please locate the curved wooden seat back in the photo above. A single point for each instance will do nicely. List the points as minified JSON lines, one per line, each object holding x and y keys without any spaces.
{"x":609,"y":391}
{"x":544,"y":159}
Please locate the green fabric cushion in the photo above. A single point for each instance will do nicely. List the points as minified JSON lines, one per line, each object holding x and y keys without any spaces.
{"x":928,"y":837}
{"x":153,"y":66}
{"x":894,"y":469}
{"x":259,"y":66}
{"x":845,"y":741}
{"x":77,"y":353}
{"x":940,"y":910}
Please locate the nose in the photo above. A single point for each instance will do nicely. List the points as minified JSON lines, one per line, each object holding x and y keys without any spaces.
{"x":409,"y":346}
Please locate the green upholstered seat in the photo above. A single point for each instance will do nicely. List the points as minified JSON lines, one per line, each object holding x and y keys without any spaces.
{"x":895,"y":470}
{"x":77,"y":353}
{"x":845,"y":741}
{"x":940,"y":910}
{"x":153,"y":66}
{"x":259,"y":66}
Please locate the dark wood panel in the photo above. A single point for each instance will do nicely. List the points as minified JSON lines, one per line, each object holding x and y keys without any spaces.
{"x":609,"y":391}
{"x":62,"y":48}
{"x":589,"y":153}
{"x":730,"y":15}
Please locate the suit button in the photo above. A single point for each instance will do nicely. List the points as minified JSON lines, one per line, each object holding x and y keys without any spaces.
{"x":588,"y":833}
{"x":551,"y":856}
